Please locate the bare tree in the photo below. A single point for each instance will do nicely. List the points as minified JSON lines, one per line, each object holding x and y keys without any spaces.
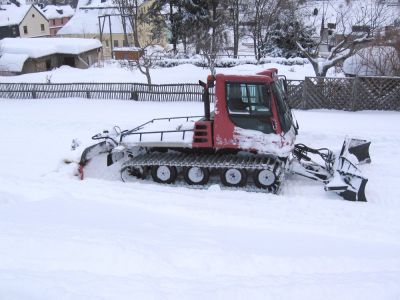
{"x":355,"y":27}
{"x":236,"y":11}
{"x":212,"y":41}
{"x":263,"y":15}
{"x":148,"y":32}
{"x":146,"y":61}
{"x":130,"y":16}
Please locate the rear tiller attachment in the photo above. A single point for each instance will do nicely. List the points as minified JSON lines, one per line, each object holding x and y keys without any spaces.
{"x":108,"y":142}
{"x":339,"y":174}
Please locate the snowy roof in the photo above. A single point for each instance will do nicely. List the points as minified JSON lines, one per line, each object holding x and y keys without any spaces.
{"x":39,"y":47}
{"x":127,"y":49}
{"x":12,"y":62}
{"x":100,"y":3}
{"x":94,"y":3}
{"x":11,"y":14}
{"x":55,"y":11}
{"x":86,"y":21}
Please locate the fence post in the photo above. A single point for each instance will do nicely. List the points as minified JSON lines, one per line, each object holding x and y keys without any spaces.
{"x":33,"y":92}
{"x":134,"y":94}
{"x":303,"y":104}
{"x":87,"y":94}
{"x":355,"y":94}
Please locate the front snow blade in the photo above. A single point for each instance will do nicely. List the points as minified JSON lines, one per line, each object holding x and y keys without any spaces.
{"x":91,"y":152}
{"x":115,"y":155}
{"x":347,"y":181}
{"x":357,"y":147}
{"x":358,"y":195}
{"x":341,"y":174}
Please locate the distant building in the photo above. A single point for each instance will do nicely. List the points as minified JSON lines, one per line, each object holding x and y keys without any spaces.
{"x":127,"y":53}
{"x":58,"y":16}
{"x":95,"y":16}
{"x":22,"y":55}
{"x":22,"y":21}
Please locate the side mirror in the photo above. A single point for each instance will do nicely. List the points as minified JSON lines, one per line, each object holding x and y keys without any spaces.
{"x":285,"y":85}
{"x":202,"y":84}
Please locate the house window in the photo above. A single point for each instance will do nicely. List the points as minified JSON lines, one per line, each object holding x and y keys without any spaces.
{"x":115,"y":43}
{"x":331,"y":25}
{"x":42,"y":27}
{"x":54,"y":22}
{"x":33,"y":15}
{"x":125,"y":43}
{"x":25,"y":29}
{"x":62,"y":21}
{"x":14,"y":31}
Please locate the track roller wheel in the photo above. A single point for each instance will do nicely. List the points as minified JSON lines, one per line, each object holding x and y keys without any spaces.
{"x":233,"y":177}
{"x":264,"y":178}
{"x":164,"y":174}
{"x":196,"y":175}
{"x":129,"y":173}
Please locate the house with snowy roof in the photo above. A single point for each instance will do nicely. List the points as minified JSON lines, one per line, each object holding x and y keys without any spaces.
{"x":22,"y":21}
{"x":58,"y":16}
{"x":337,"y":20}
{"x":101,"y":19}
{"x":23,"y":55}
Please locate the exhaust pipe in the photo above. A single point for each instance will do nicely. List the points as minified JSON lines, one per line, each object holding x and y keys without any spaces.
{"x":206,"y":100}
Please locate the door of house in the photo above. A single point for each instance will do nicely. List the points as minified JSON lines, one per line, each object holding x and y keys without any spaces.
{"x":48,"y":64}
{"x":69,"y":61}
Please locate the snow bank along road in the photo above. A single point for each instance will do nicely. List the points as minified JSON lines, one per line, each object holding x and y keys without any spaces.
{"x":61,"y":238}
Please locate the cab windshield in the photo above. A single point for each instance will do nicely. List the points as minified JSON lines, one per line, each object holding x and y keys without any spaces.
{"x":285,"y":115}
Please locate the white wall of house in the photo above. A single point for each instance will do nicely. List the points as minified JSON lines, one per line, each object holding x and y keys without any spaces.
{"x":34,"y":24}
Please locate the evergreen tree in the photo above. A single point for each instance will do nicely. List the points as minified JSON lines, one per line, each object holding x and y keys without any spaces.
{"x":283,"y":37}
{"x":173,"y":16}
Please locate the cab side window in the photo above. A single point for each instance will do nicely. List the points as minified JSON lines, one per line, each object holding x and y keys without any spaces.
{"x":249,"y":105}
{"x":248,"y":99}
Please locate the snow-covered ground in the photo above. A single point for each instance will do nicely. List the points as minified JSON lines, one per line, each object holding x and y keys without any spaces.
{"x":61,"y":238}
{"x":180,"y":74}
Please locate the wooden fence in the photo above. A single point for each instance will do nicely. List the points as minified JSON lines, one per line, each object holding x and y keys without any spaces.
{"x":361,"y":93}
{"x":121,"y":91}
{"x":358,"y":93}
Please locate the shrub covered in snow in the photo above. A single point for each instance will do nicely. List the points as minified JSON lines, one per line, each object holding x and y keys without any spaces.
{"x":373,"y":61}
{"x":229,"y":62}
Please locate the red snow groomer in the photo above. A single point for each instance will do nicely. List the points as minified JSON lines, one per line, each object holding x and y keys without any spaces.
{"x":248,"y":141}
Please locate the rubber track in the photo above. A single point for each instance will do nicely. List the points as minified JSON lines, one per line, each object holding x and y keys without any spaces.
{"x":211,"y":161}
